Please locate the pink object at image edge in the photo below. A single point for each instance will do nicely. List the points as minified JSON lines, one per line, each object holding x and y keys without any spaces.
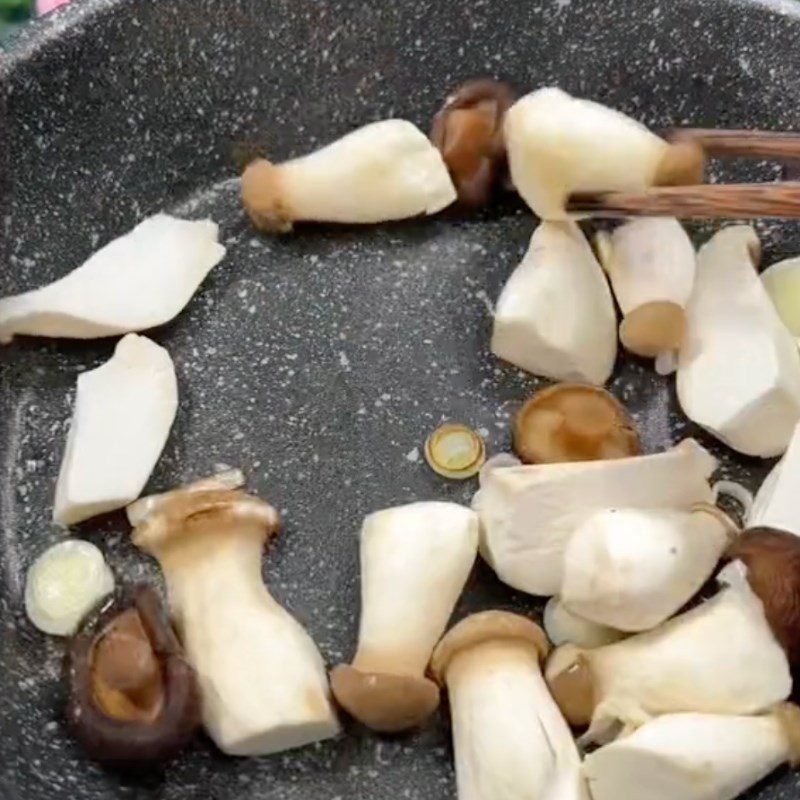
{"x":46,"y":6}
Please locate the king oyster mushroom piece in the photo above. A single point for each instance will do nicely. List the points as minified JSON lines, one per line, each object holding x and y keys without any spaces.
{"x":632,"y":568}
{"x":559,"y":146}
{"x":123,"y":414}
{"x":529,"y":513}
{"x":415,"y":560}
{"x":651,"y":265}
{"x":509,"y":738}
{"x":782,"y":282}
{"x":133,"y":697}
{"x":738,"y":369}
{"x":135,"y":282}
{"x":384,"y":171}
{"x":775,"y":504}
{"x":555,"y":316}
{"x":695,"y":756}
{"x":721,"y":657}
{"x":262,"y":680}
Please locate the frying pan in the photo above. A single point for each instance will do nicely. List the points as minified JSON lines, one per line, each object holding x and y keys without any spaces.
{"x":318,"y":361}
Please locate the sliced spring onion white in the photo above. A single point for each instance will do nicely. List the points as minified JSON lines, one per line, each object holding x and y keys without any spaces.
{"x":64,"y":584}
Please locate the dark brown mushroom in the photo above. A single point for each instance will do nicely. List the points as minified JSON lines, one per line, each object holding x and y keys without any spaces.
{"x":772,"y":558}
{"x":133,"y":697}
{"x":468,"y":131}
{"x":573,"y":422}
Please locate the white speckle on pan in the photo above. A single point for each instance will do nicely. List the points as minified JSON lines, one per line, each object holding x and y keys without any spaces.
{"x":413,"y":455}
{"x":344,"y":361}
{"x":8,"y":504}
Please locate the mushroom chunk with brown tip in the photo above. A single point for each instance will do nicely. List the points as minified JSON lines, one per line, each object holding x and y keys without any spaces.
{"x":415,"y":560}
{"x":677,"y":667}
{"x":262,"y":680}
{"x":509,"y":737}
{"x":772,"y":558}
{"x":133,"y":696}
{"x":695,"y":756}
{"x":574,"y":422}
{"x":468,"y":131}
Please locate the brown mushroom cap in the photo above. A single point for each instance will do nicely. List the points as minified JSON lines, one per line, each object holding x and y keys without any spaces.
{"x":573,"y":422}
{"x":478,"y":629}
{"x":263,"y":197}
{"x":570,"y":679}
{"x":653,"y":328}
{"x":468,"y":131}
{"x":772,"y":558}
{"x":382,"y":701}
{"x":111,"y":719}
{"x":184,"y":517}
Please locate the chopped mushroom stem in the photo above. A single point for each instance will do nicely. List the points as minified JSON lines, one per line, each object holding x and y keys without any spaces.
{"x":124,"y":410}
{"x":262,"y":679}
{"x":651,"y":265}
{"x":555,"y":316}
{"x":676,"y":668}
{"x":695,"y":756}
{"x":415,"y":560}
{"x":738,"y":369}
{"x":384,"y":171}
{"x":135,"y":282}
{"x":631,"y":569}
{"x":509,"y":738}
{"x":529,"y":513}
{"x":559,"y":146}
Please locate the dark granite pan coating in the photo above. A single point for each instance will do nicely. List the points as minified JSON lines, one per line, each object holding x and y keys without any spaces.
{"x":317,"y":362}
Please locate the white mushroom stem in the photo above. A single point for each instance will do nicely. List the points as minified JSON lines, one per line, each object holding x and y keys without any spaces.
{"x":262,"y":680}
{"x":384,"y":171}
{"x":738,"y":370}
{"x":559,"y":146}
{"x":776,"y":503}
{"x":631,"y":569}
{"x":135,"y":282}
{"x":695,"y":756}
{"x":651,"y":265}
{"x":123,"y":413}
{"x":564,"y":627}
{"x":719,"y":658}
{"x":555,"y":316}
{"x":415,"y":560}
{"x":509,"y":738}
{"x":529,"y":513}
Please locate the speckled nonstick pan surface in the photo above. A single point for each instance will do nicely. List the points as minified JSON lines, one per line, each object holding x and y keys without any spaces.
{"x":317,"y":362}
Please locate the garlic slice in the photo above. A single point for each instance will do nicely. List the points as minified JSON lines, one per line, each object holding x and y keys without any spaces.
{"x":739,"y":369}
{"x":64,"y":584}
{"x":123,"y":413}
{"x":135,"y":282}
{"x":782,"y":282}
{"x":384,"y":171}
{"x":555,"y":316}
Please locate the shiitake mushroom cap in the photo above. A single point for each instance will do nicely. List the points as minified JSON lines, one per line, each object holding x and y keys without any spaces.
{"x":107,"y":737}
{"x":468,"y":131}
{"x":573,"y":422}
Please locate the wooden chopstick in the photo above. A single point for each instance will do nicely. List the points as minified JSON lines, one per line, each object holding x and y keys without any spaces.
{"x":777,"y":145}
{"x":705,"y":201}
